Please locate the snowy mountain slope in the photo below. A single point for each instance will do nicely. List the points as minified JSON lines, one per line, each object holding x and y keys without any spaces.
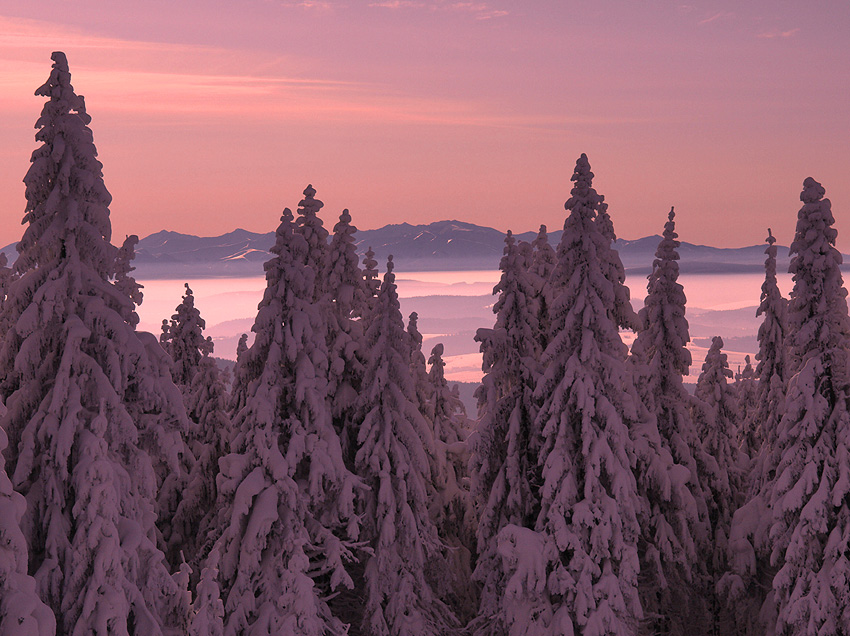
{"x":442,"y":245}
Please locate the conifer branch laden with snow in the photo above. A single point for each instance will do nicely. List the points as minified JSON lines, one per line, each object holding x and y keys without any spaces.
{"x":21,"y":609}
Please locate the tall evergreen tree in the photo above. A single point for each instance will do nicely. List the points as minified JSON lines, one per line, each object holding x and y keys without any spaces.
{"x":809,"y":494}
{"x":451,"y":509}
{"x":286,"y":498}
{"x":505,"y":475}
{"x":543,"y":263}
{"x":395,"y":442}
{"x":347,"y":299}
{"x":184,"y":340}
{"x":746,"y":384}
{"x":621,"y":309}
{"x":418,"y":368}
{"x":210,"y":437}
{"x":670,"y":569}
{"x":772,"y":368}
{"x":715,"y":412}
{"x":594,"y":430}
{"x":87,"y":398}
{"x":239,"y":385}
{"x":748,"y":584}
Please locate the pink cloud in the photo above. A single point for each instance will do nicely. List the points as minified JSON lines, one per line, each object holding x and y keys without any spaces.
{"x":480,"y":10}
{"x":717,"y":16}
{"x":778,"y":34}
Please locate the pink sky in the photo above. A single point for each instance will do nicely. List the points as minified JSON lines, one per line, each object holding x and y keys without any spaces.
{"x":214,"y":115}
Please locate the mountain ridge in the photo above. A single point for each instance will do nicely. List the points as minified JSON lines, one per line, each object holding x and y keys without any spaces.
{"x":441,"y":245}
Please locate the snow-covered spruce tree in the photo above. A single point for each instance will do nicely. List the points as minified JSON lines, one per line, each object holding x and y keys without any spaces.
{"x":715,"y":413}
{"x":543,"y":263}
{"x":21,"y":609}
{"x":208,"y":610}
{"x":809,"y":494}
{"x":452,"y":509}
{"x":310,"y":226}
{"x":748,"y":584}
{"x":395,"y":442}
{"x":346,"y":295}
{"x":209,"y":437}
{"x":286,"y":499}
{"x":671,"y":569}
{"x":505,"y":474}
{"x":86,"y":396}
{"x":621,"y":309}
{"x":239,"y":385}
{"x":746,"y":384}
{"x":772,"y":368}
{"x":184,"y":341}
{"x":595,"y":432}
{"x":124,"y":269}
{"x":448,"y":417}
{"x":371,"y":279}
{"x":419,"y":371}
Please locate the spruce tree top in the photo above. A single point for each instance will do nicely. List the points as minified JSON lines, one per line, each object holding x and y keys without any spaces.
{"x":817,"y":311}
{"x":67,"y":202}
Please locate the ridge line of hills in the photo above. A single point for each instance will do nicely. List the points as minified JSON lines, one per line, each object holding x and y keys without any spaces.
{"x":442,"y":245}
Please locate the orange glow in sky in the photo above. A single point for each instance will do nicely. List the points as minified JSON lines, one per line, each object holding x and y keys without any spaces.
{"x":212,"y":116}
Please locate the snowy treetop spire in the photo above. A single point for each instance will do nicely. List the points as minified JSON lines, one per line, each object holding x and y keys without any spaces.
{"x":67,"y":202}
{"x":583,"y":178}
{"x":310,"y":205}
{"x":812,"y":191}
{"x":58,"y":87}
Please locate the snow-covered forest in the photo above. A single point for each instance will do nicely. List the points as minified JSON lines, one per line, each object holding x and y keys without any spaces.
{"x":333,"y":482}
